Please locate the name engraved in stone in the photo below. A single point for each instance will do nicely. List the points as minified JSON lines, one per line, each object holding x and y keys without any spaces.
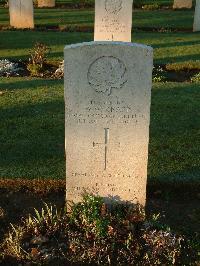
{"x":107,"y":73}
{"x":112,"y":111}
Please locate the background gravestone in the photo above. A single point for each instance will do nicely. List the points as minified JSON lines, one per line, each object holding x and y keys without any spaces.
{"x":46,"y":3}
{"x":196,"y":26}
{"x":21,"y":13}
{"x":107,"y":97}
{"x":182,"y":4}
{"x":113,"y":20}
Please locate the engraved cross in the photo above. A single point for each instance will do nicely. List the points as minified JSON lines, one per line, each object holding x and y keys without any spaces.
{"x":106,"y":144}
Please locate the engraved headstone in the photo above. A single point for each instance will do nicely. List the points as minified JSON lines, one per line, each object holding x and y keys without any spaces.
{"x":46,"y":3}
{"x":178,"y":4}
{"x":21,"y":13}
{"x":196,"y":26}
{"x":107,"y":108}
{"x":113,"y":20}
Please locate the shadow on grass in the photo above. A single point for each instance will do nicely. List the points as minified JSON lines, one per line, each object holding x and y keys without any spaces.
{"x":32,"y":135}
{"x":182,"y":58}
{"x":32,"y":138}
{"x":31,"y":83}
{"x":185,"y":182}
{"x":177,"y":44}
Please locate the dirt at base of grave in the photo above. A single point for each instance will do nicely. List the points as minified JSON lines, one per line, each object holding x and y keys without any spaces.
{"x":179,"y":211}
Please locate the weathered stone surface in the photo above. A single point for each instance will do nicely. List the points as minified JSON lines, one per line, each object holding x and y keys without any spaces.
{"x":46,"y":3}
{"x":113,"y":20}
{"x":21,"y":13}
{"x":196,"y":26}
{"x":182,"y":4}
{"x":107,"y":99}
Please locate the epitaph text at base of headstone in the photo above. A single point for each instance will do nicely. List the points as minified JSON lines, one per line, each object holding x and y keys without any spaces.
{"x":196,"y":26}
{"x":107,"y":108}
{"x":113,"y":20}
{"x":46,"y":3}
{"x":178,"y":4}
{"x":21,"y":13}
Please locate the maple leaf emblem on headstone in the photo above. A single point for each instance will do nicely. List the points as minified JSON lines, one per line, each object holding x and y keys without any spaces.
{"x":113,"y":6}
{"x":107,"y":73}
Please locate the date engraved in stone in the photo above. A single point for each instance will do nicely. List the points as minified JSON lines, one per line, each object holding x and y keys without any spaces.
{"x":107,"y":73}
{"x":113,"y":6}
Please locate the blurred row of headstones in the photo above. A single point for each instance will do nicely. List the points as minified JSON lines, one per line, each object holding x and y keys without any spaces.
{"x":22,"y":11}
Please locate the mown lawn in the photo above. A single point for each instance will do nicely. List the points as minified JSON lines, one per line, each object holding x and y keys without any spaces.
{"x":32,"y":130}
{"x":142,"y":2}
{"x":179,"y":19}
{"x":32,"y":110}
{"x":168,"y":47}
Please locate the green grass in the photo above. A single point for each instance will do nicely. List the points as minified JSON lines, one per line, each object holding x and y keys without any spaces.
{"x":175,"y":132}
{"x":143,"y":2}
{"x":32,"y":110}
{"x":168,"y":47}
{"x":32,"y":130}
{"x":140,"y":2}
{"x":148,"y":19}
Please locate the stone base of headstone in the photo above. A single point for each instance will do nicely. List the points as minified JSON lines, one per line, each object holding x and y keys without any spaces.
{"x":178,"y":4}
{"x":46,"y":3}
{"x":107,"y":115}
{"x":21,"y":14}
{"x":196,"y":26}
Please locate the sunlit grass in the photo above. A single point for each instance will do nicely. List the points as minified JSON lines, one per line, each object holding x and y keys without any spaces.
{"x":178,"y":19}
{"x":32,"y":130}
{"x":168,"y":47}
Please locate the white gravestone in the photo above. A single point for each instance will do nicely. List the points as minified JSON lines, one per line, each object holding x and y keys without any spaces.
{"x":113,"y":20}
{"x":21,"y":13}
{"x":46,"y":3}
{"x":107,"y":112}
{"x":182,"y":4}
{"x":196,"y":26}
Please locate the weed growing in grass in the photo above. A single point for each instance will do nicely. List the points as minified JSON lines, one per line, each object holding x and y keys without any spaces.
{"x":159,"y":74}
{"x":196,"y":78}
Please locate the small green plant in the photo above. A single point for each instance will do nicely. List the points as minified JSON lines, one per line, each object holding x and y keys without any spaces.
{"x":158,"y":74}
{"x":196,"y":78}
{"x":35,"y":70}
{"x":38,"y":56}
{"x":35,"y":230}
{"x":88,"y":214}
